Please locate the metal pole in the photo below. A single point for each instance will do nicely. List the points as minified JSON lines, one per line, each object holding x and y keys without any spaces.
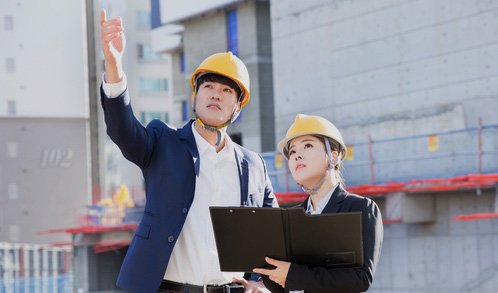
{"x":372,"y":176}
{"x":479,"y":146}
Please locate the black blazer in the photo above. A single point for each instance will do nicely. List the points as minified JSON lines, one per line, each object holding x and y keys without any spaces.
{"x":320,"y":279}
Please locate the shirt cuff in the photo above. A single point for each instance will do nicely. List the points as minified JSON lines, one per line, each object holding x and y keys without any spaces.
{"x":113,"y":90}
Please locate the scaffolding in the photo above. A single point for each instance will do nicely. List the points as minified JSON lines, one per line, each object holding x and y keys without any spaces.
{"x":409,"y":159}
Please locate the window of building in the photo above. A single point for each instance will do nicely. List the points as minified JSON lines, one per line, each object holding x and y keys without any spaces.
{"x":145,"y":52}
{"x":143,"y":19}
{"x":11,"y":107}
{"x":146,"y":117}
{"x":232,"y":32}
{"x":182,"y":62}
{"x":8,"y":23}
{"x":185,"y":110}
{"x":153,"y":84}
{"x":10,"y":65}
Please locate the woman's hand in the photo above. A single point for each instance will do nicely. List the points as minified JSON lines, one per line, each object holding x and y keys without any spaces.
{"x":252,"y":286}
{"x":277,"y":275}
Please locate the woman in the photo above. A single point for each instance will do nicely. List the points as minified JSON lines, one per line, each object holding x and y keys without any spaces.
{"x":315,"y":150}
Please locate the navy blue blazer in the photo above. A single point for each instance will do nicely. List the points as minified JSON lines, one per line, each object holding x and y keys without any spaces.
{"x":323,"y":280}
{"x":169,"y":161}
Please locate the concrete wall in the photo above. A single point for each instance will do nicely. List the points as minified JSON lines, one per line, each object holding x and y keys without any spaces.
{"x":388,"y":68}
{"x":393,"y":69}
{"x":441,"y":255}
{"x":44,"y":177}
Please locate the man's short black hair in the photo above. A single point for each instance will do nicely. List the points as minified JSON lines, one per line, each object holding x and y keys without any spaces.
{"x":213,"y":77}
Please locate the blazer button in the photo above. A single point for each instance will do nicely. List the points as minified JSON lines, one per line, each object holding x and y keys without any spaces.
{"x":184,"y":210}
{"x":171,"y":239}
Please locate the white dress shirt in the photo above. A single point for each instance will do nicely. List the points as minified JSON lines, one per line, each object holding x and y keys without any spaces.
{"x":112,"y":90}
{"x":320,"y":205}
{"x":194,"y":259}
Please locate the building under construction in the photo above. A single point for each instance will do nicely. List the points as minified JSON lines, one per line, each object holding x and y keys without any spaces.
{"x":413,"y":87}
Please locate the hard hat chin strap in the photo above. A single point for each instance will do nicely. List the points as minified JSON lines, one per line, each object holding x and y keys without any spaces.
{"x":214,"y":128}
{"x":331,"y":165}
{"x":210,"y":128}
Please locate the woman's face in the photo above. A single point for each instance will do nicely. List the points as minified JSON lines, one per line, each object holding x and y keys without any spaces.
{"x":308,"y":160}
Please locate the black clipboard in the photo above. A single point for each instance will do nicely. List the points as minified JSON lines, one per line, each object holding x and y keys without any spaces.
{"x":244,"y":236}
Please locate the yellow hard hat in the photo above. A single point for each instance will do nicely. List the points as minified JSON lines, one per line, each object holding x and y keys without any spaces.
{"x":228,"y":65}
{"x":312,"y":125}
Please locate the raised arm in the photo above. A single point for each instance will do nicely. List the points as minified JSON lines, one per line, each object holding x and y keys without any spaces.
{"x":134,"y":141}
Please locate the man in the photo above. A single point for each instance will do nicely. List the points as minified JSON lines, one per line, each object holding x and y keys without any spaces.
{"x":186,"y":170}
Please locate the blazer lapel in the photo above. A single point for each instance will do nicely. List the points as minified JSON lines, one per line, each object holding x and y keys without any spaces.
{"x":243,"y":175}
{"x":304,"y":205}
{"x":335,"y":203}
{"x":185,"y":134}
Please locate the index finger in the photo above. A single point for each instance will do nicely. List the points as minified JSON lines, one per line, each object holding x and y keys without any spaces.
{"x":102,"y":16}
{"x":273,"y":262}
{"x":262,"y":271}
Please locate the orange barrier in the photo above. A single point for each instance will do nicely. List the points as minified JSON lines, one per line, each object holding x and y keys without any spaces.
{"x":390,"y":221}
{"x":456,"y":183}
{"x":475,"y":217}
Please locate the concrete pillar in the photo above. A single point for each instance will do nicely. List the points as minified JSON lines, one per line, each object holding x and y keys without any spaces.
{"x":393,"y":205}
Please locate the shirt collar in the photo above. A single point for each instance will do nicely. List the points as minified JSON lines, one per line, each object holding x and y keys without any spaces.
{"x":203,"y":146}
{"x":321,"y":204}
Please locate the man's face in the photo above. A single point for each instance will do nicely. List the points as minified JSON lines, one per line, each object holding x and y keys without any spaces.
{"x":215,"y":103}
